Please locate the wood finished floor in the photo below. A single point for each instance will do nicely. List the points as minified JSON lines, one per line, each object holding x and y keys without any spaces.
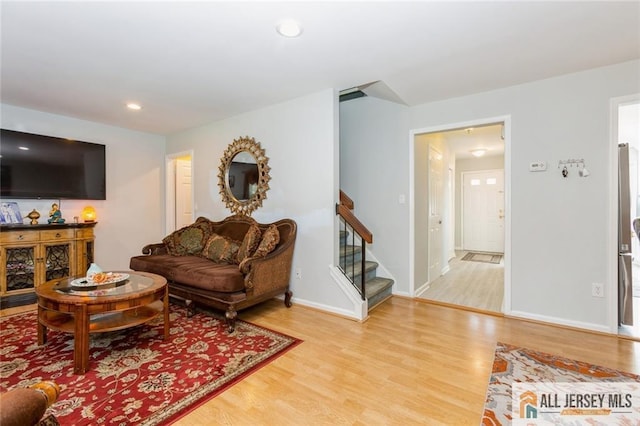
{"x":410,"y":363}
{"x":475,"y":285}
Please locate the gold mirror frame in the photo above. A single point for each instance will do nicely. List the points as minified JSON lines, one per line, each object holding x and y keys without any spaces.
{"x":244,"y":207}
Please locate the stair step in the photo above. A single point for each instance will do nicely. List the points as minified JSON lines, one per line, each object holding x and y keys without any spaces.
{"x":376,"y":285}
{"x":350,"y":255}
{"x":377,"y":290}
{"x":354,"y":272}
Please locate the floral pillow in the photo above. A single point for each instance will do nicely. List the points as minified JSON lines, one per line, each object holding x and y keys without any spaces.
{"x":270,"y":239}
{"x":249,"y":243}
{"x":221,"y":249}
{"x":190,"y":240}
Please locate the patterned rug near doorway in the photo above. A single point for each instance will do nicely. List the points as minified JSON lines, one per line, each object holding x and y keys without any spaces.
{"x":476,"y":256}
{"x":135,"y":377}
{"x":516,"y":368}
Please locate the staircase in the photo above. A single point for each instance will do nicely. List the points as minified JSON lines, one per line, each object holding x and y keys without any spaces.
{"x":377,"y":289}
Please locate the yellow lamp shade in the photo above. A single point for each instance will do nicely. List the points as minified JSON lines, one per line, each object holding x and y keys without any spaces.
{"x":89,"y":214}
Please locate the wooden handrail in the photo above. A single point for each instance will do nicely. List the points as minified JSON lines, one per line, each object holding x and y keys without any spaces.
{"x":345,"y":200}
{"x":344,"y":209}
{"x":353,"y":221}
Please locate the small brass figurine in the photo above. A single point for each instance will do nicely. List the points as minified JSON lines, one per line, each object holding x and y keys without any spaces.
{"x":55,"y":215}
{"x":34,"y":216}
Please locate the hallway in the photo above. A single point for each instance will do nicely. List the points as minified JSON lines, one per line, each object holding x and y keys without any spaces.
{"x":476,"y":285}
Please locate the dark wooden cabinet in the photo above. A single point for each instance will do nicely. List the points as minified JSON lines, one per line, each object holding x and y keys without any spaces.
{"x":31,"y":255}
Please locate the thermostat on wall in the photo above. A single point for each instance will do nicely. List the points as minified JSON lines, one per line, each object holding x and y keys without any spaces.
{"x":538,"y":166}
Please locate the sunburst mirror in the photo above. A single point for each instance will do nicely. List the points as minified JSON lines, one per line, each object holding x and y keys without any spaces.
{"x":243,"y":176}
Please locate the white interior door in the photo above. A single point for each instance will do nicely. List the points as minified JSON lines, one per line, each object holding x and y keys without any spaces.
{"x":435,"y":213}
{"x":184,"y":204}
{"x":179,"y":207}
{"x":483,"y":211}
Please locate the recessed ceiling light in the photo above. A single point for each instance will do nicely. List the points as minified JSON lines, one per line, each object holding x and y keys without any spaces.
{"x":134,"y":106}
{"x":478,"y":152}
{"x":24,"y":148}
{"x":289,"y":28}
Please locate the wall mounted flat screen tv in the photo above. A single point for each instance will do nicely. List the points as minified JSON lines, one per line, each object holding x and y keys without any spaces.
{"x":37,"y":166}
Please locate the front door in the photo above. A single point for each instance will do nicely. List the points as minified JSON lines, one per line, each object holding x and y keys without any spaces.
{"x":483,"y":211}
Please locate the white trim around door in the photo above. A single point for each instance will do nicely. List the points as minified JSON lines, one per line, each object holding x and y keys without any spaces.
{"x":506,"y":121}
{"x":172,"y":188}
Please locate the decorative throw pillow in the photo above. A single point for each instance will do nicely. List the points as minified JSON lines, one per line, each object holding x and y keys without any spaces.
{"x":190,"y":240}
{"x":249,"y":243}
{"x":221,"y":249}
{"x":270,"y":239}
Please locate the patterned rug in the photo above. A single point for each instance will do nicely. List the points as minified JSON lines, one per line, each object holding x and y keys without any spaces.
{"x":516,"y":369}
{"x":135,"y":377}
{"x":475,"y":256}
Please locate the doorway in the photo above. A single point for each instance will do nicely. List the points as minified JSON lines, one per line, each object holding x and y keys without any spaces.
{"x":626,"y":113}
{"x":467,"y":151}
{"x":179,"y":191}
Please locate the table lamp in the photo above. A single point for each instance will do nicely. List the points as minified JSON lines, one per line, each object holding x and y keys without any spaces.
{"x":89,"y":214}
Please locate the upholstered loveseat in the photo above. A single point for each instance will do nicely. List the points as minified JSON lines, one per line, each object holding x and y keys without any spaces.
{"x":228,"y":265}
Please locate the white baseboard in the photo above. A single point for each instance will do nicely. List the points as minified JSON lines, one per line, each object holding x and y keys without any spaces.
{"x":326,"y":308}
{"x":561,"y":321}
{"x":401,"y":293}
{"x":423,"y":288}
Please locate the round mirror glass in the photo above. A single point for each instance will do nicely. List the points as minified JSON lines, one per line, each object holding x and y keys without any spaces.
{"x":243,"y":176}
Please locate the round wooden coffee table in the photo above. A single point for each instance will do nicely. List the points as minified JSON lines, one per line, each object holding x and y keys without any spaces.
{"x":140,"y":298}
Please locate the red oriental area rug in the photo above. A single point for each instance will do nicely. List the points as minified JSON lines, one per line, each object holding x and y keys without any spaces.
{"x":135,"y":377}
{"x":515,"y":367}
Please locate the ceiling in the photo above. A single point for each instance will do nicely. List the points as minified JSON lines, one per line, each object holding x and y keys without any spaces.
{"x":462,"y":141}
{"x":192,"y":63}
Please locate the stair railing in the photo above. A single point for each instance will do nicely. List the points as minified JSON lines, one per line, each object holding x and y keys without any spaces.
{"x":351,"y":223}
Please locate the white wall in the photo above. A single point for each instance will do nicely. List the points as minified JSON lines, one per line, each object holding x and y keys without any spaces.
{"x":299,"y":138}
{"x":374,"y":171}
{"x":560,"y":227}
{"x":132,"y":215}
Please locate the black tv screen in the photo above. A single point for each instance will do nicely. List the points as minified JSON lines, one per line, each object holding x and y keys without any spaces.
{"x":37,"y":166}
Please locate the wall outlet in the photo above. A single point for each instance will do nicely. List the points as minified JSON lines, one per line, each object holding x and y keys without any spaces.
{"x":597,"y":290}
{"x":299,"y":273}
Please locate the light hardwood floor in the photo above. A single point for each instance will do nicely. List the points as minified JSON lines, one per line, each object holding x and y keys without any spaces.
{"x":475,"y":285}
{"x":410,"y":363}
